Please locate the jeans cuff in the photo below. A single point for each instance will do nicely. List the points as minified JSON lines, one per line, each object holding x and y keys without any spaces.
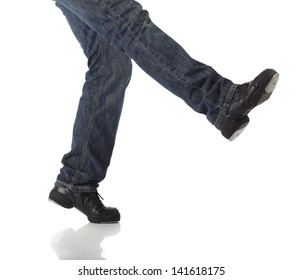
{"x":78,"y":188}
{"x":226,"y":104}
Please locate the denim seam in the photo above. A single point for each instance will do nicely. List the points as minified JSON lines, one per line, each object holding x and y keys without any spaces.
{"x":137,"y":39}
{"x":163,"y":65}
{"x":91,"y":117}
{"x":226,"y":104}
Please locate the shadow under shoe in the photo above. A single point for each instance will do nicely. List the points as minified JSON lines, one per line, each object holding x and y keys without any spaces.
{"x":84,"y":243}
{"x":88,"y":203}
{"x":247,"y":96}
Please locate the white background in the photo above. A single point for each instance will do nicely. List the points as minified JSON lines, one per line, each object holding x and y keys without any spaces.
{"x":187,"y":195}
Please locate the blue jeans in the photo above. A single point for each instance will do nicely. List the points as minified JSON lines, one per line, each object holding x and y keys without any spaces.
{"x":111,"y":34}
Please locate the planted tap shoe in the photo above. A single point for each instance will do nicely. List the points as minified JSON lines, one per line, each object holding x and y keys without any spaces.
{"x":88,"y":203}
{"x":247,"y":96}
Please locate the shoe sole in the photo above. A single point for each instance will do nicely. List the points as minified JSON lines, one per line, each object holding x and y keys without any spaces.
{"x":113,"y":219}
{"x":237,"y":126}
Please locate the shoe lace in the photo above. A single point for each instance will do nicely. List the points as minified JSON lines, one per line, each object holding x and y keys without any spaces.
{"x":95,"y":199}
{"x":96,"y":196}
{"x":99,"y":195}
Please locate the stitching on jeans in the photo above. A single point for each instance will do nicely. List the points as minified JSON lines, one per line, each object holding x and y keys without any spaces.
{"x":92,"y":114}
{"x":163,"y":65}
{"x":226,"y":105}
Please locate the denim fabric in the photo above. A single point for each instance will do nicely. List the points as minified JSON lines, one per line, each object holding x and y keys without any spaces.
{"x":111,"y":33}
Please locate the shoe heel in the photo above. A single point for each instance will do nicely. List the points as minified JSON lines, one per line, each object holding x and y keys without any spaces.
{"x":59,"y":199}
{"x":234,"y":128}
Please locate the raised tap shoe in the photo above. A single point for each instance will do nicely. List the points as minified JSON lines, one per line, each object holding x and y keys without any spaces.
{"x":247,"y":96}
{"x":88,"y":203}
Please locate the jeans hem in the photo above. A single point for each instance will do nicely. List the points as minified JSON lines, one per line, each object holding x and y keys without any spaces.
{"x":84,"y":188}
{"x":226,"y":104}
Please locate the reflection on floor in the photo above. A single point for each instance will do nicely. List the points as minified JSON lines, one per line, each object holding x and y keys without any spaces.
{"x":84,"y":243}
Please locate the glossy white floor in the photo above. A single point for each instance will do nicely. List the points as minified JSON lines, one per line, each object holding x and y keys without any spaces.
{"x":187,"y":196}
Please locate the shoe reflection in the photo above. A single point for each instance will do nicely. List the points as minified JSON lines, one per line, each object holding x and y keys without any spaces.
{"x":84,"y":243}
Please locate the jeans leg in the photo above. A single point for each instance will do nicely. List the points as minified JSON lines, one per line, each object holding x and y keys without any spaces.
{"x":99,"y":109}
{"x":124,"y":24}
